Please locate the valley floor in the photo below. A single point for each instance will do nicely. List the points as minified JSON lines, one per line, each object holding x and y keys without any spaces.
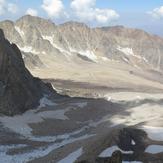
{"x":67,"y":129}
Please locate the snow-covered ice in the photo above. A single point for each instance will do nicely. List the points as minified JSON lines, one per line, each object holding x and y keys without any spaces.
{"x":109,"y":151}
{"x":19,"y":31}
{"x":128,"y":51}
{"x":51,"y":40}
{"x":154,"y":149}
{"x":133,"y":142}
{"x":45,"y":101}
{"x":154,"y":133}
{"x":87,"y":53}
{"x":29,"y":49}
{"x":37,"y":153}
{"x":19,"y":123}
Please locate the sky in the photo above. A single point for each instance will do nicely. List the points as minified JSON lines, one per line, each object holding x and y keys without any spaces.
{"x":143,"y":14}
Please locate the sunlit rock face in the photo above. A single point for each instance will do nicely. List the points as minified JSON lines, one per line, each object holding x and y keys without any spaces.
{"x":41,"y":37}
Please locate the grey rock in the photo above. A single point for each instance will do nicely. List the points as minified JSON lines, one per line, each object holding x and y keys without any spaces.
{"x":19,"y":90}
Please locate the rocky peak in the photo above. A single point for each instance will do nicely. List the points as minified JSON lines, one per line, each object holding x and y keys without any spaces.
{"x":19,"y":90}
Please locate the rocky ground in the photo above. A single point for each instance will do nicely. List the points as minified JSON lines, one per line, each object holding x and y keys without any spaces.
{"x":67,"y":130}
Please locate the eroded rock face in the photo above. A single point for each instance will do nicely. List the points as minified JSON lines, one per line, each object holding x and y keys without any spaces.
{"x":19,"y":90}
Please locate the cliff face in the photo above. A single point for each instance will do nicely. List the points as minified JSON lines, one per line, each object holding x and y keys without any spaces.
{"x":19,"y":90}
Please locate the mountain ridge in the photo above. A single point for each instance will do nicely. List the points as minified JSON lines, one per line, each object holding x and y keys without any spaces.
{"x":112,"y":54}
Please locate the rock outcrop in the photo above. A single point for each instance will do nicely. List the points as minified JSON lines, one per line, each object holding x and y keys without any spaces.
{"x":19,"y":90}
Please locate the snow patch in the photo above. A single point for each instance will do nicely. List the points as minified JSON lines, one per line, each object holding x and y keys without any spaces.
{"x":45,"y":101}
{"x":154,"y":133}
{"x":128,"y":51}
{"x":51,"y":40}
{"x":37,"y":153}
{"x":72,"y":157}
{"x":28,"y":49}
{"x":145,"y":60}
{"x":19,"y":31}
{"x":133,"y":142}
{"x":154,"y":149}
{"x":19,"y":123}
{"x":87,"y":53}
{"x":109,"y":151}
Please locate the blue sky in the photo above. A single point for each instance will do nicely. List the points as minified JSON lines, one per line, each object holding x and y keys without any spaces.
{"x":144,"y":14}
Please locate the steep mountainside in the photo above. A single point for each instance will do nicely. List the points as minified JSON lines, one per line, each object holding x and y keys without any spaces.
{"x":131,"y":46}
{"x":109,"y":56}
{"x":19,"y":91}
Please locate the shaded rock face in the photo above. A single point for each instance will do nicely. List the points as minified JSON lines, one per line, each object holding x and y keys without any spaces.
{"x":19,"y":90}
{"x":132,"y":140}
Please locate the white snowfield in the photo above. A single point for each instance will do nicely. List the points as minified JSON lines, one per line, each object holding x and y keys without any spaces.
{"x":45,"y":101}
{"x":133,"y":142}
{"x":19,"y":31}
{"x":72,"y":157}
{"x":109,"y":151}
{"x":39,"y":152}
{"x":147,"y":114}
{"x":128,"y":51}
{"x":154,"y":133}
{"x":19,"y":123}
{"x":29,"y":49}
{"x":154,"y":149}
{"x":87,"y":53}
{"x":51,"y":40}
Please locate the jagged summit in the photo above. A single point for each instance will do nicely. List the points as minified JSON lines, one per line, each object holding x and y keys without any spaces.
{"x":34,"y":20}
{"x":71,"y":46}
{"x":76,"y":41}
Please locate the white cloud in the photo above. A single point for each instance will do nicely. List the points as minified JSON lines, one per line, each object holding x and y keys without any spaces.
{"x":86,"y":11}
{"x":105,"y":15}
{"x":2,"y":7}
{"x":5,"y":7}
{"x":54,"y":8}
{"x":32,"y":12}
{"x":157,"y":12}
{"x":12,"y":8}
{"x":80,"y":5}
